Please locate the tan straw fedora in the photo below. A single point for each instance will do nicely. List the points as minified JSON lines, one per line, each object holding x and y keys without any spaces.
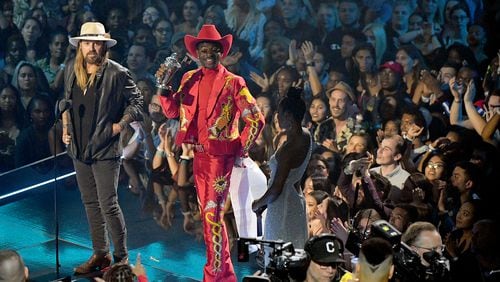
{"x":93,"y":31}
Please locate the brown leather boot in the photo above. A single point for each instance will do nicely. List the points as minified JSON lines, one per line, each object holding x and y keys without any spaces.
{"x":95,"y":262}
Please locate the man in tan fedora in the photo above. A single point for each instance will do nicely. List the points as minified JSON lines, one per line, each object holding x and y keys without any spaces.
{"x":209,"y":104}
{"x":100,"y":99}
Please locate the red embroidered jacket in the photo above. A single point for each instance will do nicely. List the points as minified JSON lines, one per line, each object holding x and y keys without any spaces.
{"x":228,"y":100}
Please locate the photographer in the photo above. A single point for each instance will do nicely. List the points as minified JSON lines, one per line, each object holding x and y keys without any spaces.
{"x":326,"y":253}
{"x":424,"y":239}
{"x":357,"y":186}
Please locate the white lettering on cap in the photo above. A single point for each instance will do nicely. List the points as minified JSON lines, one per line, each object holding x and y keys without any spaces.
{"x":330,"y":247}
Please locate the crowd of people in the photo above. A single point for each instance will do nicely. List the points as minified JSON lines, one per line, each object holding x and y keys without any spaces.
{"x":402,"y":105}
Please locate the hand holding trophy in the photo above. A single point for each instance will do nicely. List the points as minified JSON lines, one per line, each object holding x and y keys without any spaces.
{"x":166,"y":72}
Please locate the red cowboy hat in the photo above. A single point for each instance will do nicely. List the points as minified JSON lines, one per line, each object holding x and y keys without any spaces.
{"x":208,"y":32}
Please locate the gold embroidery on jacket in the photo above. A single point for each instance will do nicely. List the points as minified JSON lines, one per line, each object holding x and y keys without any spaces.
{"x":246,"y":93}
{"x":253,"y":129}
{"x":183,"y":121}
{"x":222,"y":122}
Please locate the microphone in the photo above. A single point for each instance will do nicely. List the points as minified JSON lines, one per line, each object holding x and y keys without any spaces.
{"x":62,"y":106}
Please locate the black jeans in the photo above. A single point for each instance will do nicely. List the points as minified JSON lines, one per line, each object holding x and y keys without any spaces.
{"x":98,"y":184}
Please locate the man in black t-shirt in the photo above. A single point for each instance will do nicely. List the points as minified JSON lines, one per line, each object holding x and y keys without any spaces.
{"x":100,"y":99}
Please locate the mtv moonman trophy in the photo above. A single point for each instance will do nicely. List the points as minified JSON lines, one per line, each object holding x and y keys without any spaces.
{"x":167,"y":70}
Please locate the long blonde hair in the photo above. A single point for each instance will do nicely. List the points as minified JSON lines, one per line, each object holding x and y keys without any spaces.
{"x":380,"y":40}
{"x":82,"y":79}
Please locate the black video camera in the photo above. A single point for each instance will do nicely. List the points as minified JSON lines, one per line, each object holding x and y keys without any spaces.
{"x":407,"y":263}
{"x":284,"y":261}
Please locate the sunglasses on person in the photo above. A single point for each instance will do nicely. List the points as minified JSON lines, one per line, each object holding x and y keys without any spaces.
{"x":326,"y":265}
{"x":437,"y":249}
{"x":435,"y":165}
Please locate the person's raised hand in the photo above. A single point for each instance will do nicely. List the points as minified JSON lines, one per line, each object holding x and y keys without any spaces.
{"x":490,"y":113}
{"x":330,"y":144}
{"x":380,"y":135}
{"x":452,"y":84}
{"x":470,"y":92}
{"x":138,"y":268}
{"x":439,"y":184}
{"x":431,"y":83}
{"x":440,"y":142}
{"x":162,"y":132}
{"x":308,"y":50}
{"x":298,"y":84}
{"x":418,"y":194}
{"x":262,"y":81}
{"x":66,"y":137}
{"x":339,"y":229}
{"x":292,"y":52}
{"x":187,"y":150}
{"x":414,"y":131}
{"x":232,"y":59}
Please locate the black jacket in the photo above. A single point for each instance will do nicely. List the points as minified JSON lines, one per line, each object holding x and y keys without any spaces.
{"x":117,"y":98}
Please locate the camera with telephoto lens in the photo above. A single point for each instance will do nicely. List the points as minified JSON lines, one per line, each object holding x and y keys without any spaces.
{"x":285,"y":262}
{"x":407,"y":263}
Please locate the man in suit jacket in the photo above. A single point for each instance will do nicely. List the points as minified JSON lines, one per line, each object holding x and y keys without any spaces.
{"x":209,"y":103}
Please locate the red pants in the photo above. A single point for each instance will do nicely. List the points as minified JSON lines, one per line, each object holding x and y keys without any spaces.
{"x":211,"y":176}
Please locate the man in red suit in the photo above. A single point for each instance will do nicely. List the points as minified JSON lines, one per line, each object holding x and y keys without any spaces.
{"x":209,"y":103}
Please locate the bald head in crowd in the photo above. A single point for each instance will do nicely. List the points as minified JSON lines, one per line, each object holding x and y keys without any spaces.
{"x":12,"y":267}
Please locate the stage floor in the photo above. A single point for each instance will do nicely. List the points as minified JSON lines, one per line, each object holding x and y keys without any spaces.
{"x":28,"y":226}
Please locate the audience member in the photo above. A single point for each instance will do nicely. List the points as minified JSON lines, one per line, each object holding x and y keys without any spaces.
{"x":326,"y":258}
{"x":12,"y":121}
{"x":15,"y":52}
{"x":398,"y":25}
{"x":327,"y":19}
{"x":41,"y":118}
{"x":319,"y":112}
{"x":12,"y":268}
{"x":365,"y":76}
{"x":247,"y":23}
{"x":375,"y":35}
{"x":389,"y":155}
{"x":423,"y":237}
{"x":31,"y":30}
{"x":402,"y":216}
{"x":53,"y":65}
{"x":150,"y":15}
{"x":342,"y":122}
{"x":375,"y":261}
{"x":163,"y":30}
{"x":191,"y":13}
{"x":295,"y":27}
{"x":139,"y":58}
{"x":29,"y":81}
